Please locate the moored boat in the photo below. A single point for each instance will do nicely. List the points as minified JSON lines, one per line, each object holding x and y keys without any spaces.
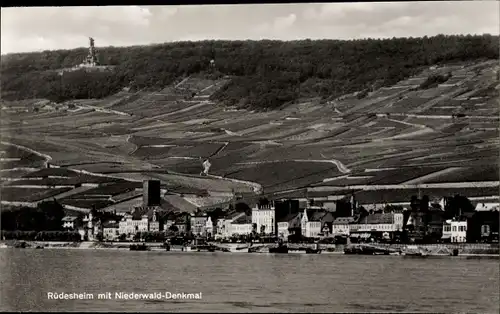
{"x":313,"y":251}
{"x":139,"y":247}
{"x":279,"y":249}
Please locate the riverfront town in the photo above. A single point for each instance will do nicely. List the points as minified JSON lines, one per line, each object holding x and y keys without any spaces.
{"x":400,"y":161}
{"x":284,"y":221}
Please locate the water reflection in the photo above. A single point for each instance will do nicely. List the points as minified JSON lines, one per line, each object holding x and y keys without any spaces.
{"x":247,"y":282}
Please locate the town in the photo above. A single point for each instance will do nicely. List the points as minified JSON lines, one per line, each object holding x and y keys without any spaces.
{"x":303,"y":220}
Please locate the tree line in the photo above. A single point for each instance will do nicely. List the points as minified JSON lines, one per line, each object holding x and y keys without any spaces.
{"x":266,"y":74}
{"x":47,"y":216}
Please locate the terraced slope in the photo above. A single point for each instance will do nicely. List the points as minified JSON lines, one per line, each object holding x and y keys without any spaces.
{"x":397,"y":135}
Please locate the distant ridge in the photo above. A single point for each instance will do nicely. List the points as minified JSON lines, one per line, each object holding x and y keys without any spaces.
{"x":265,"y":74}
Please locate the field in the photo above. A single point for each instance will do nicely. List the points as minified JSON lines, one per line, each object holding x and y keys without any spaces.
{"x":167,"y":134}
{"x":12,"y":194}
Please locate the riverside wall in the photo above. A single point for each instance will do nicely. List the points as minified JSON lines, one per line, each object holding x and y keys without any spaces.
{"x":431,"y":249}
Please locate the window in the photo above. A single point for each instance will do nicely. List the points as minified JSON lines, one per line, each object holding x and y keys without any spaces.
{"x":454,"y":228}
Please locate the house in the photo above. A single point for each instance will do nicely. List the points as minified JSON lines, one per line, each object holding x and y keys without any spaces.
{"x":341,"y":225}
{"x":378,"y":224}
{"x":198,"y":224}
{"x":446,"y":236}
{"x":264,"y":216}
{"x":91,"y":226}
{"x":327,"y":224}
{"x":311,"y":223}
{"x":483,"y":226}
{"x":224,"y":225}
{"x":154,"y":223}
{"x":181,"y":226}
{"x":70,"y":222}
{"x":110,"y":230}
{"x":287,"y":224}
{"x":209,"y":227}
{"x":133,"y":223}
{"x":241,"y":225}
{"x":458,"y":231}
{"x":435,"y":220}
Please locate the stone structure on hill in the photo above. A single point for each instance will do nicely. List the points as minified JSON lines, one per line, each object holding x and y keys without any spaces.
{"x":91,"y":60}
{"x":90,"y":63}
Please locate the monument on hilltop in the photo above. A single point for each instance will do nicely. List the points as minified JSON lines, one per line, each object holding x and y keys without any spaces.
{"x":91,"y":59}
{"x":90,"y":63}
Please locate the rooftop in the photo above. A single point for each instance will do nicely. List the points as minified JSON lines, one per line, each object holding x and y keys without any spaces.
{"x":291,"y":219}
{"x":343,"y":220}
{"x":378,"y":218}
{"x":110,"y":224}
{"x":244,"y":219}
{"x":315,"y":215}
{"x":69,"y":218}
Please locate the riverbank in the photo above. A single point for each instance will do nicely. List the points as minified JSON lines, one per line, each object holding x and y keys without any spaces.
{"x":464,"y":249}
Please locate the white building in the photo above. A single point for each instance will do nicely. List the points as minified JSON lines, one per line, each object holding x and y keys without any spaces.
{"x":341,"y":226}
{"x":131,"y":225}
{"x":241,"y":226}
{"x":69,"y":222}
{"x":458,"y":231}
{"x":311,"y":223}
{"x":263,"y":216}
{"x":110,"y":231}
{"x":380,"y":222}
{"x":198,"y":224}
{"x":154,"y":224}
{"x":225,"y":225}
{"x":209,"y":227}
{"x":238,"y":229}
{"x":446,"y":231}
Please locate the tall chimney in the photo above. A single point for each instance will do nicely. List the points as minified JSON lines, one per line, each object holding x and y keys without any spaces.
{"x":151,"y":193}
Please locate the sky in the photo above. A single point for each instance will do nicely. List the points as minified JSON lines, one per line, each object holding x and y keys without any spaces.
{"x":49,"y":28}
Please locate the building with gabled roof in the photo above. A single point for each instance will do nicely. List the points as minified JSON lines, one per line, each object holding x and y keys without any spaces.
{"x":340,"y":226}
{"x":288,"y":225}
{"x":313,"y":221}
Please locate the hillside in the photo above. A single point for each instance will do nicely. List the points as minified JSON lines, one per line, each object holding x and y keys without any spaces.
{"x":264,"y":74}
{"x":434,"y":131}
{"x":441,"y":137}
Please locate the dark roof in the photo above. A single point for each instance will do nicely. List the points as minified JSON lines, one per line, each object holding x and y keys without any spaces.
{"x":343,"y":220}
{"x":110,"y":225}
{"x":378,"y":218}
{"x":315,"y":215}
{"x":233,"y":215}
{"x":148,"y":211}
{"x":288,"y":218}
{"x":70,"y":218}
{"x":245,"y":219}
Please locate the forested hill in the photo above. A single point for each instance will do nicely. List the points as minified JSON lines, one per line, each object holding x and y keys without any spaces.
{"x":266,"y":74}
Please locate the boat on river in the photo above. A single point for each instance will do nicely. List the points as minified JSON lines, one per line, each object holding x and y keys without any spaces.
{"x":139,"y":247}
{"x":281,"y":248}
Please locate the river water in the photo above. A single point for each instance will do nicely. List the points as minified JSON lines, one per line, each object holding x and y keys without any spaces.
{"x":247,"y":282}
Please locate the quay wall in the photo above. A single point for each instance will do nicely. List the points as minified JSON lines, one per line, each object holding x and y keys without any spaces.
{"x":432,"y":249}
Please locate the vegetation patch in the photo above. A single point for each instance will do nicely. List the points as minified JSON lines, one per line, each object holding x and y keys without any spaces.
{"x":13,"y":194}
{"x":267,"y":74}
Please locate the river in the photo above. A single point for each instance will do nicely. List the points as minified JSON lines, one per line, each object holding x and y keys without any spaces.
{"x":247,"y":282}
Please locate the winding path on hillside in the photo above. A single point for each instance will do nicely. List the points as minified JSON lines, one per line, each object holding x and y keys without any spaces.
{"x":45,"y":156}
{"x":340,"y":166}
